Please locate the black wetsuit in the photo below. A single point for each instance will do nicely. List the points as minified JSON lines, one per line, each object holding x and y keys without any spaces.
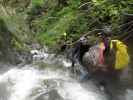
{"x":78,"y":52}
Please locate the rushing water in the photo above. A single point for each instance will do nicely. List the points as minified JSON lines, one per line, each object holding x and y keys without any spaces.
{"x":29,"y":82}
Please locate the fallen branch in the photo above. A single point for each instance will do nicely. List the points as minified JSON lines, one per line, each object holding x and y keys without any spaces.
{"x":125,"y":37}
{"x":84,"y":4}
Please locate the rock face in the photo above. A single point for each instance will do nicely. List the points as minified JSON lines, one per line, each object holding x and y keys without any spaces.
{"x":14,"y":32}
{"x":8,"y":45}
{"x":5,"y":38}
{"x":13,"y":13}
{"x":16,"y":3}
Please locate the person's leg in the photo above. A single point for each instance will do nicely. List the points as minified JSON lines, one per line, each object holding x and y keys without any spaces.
{"x":85,"y":75}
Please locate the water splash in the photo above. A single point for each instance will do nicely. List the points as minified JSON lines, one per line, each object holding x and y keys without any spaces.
{"x":20,"y":84}
{"x":74,"y":91}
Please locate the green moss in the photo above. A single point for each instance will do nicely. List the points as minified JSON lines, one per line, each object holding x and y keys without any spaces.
{"x":16,"y":44}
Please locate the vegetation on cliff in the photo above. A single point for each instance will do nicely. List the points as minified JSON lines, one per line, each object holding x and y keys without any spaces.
{"x":46,"y":21}
{"x":50,"y":19}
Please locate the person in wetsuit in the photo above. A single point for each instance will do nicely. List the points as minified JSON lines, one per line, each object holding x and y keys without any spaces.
{"x":80,"y":47}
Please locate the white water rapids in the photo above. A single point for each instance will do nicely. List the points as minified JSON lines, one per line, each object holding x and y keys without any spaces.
{"x":31,"y":83}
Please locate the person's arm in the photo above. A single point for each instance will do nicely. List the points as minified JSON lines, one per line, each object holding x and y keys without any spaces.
{"x":75,"y":52}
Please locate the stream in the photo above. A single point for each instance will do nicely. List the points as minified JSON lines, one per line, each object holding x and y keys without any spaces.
{"x":52,"y":82}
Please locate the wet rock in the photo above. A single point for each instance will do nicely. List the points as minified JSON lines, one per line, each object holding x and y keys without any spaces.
{"x":52,"y":95}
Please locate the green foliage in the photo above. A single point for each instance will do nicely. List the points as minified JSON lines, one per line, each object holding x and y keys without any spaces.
{"x":53,"y":24}
{"x":76,"y":17}
{"x":37,"y":2}
{"x":16,"y":44}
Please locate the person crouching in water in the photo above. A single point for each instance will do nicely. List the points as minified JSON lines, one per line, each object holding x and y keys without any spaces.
{"x":105,"y":59}
{"x":113,"y":60}
{"x":113,"y":54}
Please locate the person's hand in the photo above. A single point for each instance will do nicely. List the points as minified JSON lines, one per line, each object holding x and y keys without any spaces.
{"x":100,"y":67}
